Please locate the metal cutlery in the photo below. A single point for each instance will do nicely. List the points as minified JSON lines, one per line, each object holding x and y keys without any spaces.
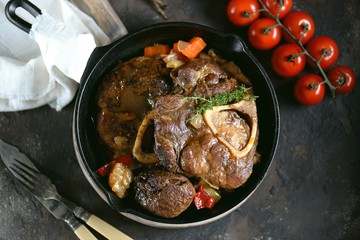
{"x":45,"y":191}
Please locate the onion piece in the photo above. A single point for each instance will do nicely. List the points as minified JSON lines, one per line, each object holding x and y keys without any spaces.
{"x":182,"y":45}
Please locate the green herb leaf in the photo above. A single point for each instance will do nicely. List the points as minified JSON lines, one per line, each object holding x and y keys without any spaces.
{"x":204,"y":104}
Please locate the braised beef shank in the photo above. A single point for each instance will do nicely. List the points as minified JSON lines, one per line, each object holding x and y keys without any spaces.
{"x":198,"y":152}
{"x":218,"y":146}
{"x":124,"y":97}
{"x":163,"y":193}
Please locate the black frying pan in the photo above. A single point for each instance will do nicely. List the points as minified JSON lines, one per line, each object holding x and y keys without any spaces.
{"x":103,"y":60}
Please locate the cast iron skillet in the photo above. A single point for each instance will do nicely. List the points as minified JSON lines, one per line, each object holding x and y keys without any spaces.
{"x":90,"y":153}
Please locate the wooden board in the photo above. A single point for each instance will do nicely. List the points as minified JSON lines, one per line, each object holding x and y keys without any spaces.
{"x":104,"y":15}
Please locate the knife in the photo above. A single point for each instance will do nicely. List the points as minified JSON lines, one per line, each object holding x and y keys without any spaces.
{"x":46,"y":193}
{"x":61,"y":212}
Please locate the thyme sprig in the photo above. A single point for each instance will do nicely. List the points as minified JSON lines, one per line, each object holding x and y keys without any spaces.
{"x":203,"y":104}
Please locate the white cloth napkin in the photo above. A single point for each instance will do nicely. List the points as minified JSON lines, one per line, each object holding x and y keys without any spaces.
{"x":45,"y":66}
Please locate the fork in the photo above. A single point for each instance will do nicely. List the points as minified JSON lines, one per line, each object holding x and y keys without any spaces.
{"x":42,"y":187}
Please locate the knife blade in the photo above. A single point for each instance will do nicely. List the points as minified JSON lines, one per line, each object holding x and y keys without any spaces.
{"x":46,"y":191}
{"x":61,"y":212}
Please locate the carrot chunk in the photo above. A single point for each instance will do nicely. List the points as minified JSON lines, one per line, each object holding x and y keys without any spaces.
{"x":158,"y":49}
{"x":193,"y":48}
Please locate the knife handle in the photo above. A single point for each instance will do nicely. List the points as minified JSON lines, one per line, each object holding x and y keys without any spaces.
{"x":79,"y":229}
{"x":83,"y":233}
{"x":100,"y":225}
{"x":106,"y":229}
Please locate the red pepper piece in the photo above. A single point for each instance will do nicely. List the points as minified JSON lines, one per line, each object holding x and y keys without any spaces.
{"x":202,"y":199}
{"x":105,"y":170}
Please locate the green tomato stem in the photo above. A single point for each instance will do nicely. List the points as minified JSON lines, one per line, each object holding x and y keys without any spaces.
{"x":268,"y":29}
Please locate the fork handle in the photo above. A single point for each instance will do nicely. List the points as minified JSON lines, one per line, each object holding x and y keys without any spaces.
{"x":106,"y":229}
{"x":83,"y":233}
{"x":100,"y":225}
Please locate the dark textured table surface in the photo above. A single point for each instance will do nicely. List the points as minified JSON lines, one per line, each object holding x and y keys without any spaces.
{"x":312,"y":190}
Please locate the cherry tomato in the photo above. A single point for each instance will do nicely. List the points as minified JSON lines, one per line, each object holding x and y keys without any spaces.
{"x":287,"y":60}
{"x":342,"y":78}
{"x":264,"y":34}
{"x":324,"y":48}
{"x":309,"y":89}
{"x":275,"y":5}
{"x":243,"y":12}
{"x":301,"y":25}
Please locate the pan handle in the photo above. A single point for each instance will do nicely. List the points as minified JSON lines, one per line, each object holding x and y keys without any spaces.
{"x":11,"y":15}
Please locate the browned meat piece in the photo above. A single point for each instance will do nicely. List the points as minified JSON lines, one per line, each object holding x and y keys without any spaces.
{"x":171,"y":131}
{"x":220,"y":149}
{"x":148,"y":76}
{"x":205,"y":156}
{"x":138,"y":79}
{"x":222,"y":86}
{"x":234,"y":71}
{"x":163,"y":193}
{"x":229,"y":67}
{"x":198,"y":73}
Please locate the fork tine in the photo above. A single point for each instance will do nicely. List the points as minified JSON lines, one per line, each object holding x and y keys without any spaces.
{"x":24,"y":180}
{"x":26,"y":168}
{"x":28,"y":165}
{"x":24,"y":173}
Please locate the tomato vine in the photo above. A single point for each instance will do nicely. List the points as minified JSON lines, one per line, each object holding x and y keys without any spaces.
{"x":298,"y":42}
{"x":297,"y":28}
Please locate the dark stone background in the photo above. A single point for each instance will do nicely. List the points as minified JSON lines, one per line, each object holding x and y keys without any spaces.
{"x":312,"y":190}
